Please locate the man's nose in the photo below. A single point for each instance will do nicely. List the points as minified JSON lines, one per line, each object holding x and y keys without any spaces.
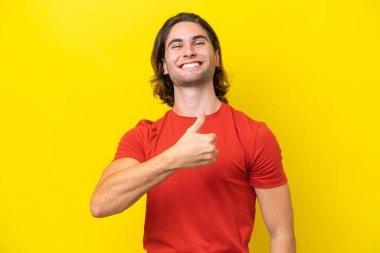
{"x":189,"y":51}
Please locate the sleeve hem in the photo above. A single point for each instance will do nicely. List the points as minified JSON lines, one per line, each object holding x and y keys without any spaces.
{"x":271,"y":185}
{"x":138,"y":158}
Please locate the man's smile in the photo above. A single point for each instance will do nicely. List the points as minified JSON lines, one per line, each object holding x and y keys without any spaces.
{"x":190,"y":65}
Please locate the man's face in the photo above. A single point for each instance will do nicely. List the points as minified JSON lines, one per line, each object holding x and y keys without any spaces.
{"x":189,"y":56}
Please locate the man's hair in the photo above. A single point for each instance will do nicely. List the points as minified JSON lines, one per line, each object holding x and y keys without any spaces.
{"x":162,"y":84}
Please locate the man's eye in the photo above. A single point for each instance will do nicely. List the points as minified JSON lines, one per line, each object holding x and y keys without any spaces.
{"x":176,"y":46}
{"x":198,"y":43}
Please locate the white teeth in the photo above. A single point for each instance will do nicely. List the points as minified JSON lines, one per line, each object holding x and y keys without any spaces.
{"x":190,"y":65}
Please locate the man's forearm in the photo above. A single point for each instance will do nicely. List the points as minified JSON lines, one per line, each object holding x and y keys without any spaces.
{"x":120,"y":190}
{"x":283,"y":244}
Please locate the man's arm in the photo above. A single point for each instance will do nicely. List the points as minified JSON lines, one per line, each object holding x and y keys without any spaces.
{"x":277,"y":212}
{"x":125,"y":180}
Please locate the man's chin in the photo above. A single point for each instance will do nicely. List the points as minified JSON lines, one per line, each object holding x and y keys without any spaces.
{"x":193,"y":80}
{"x":191,"y":83}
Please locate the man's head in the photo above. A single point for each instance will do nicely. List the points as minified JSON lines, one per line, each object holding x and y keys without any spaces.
{"x":162,"y":83}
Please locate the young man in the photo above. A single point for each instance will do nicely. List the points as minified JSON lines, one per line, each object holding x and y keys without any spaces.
{"x":203,"y":163}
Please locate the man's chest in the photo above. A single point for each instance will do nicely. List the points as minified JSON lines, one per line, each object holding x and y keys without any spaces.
{"x":231,"y":162}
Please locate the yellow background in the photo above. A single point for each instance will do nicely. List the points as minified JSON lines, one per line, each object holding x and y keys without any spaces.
{"x":74,"y":76}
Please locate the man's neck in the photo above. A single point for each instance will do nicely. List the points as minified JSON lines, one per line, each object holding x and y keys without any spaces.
{"x":195,"y":100}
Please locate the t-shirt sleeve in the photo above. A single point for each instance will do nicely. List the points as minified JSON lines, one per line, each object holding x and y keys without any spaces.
{"x":132,"y":143}
{"x":266,"y":168}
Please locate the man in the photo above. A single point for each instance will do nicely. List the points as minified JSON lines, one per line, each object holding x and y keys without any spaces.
{"x":203,"y":163}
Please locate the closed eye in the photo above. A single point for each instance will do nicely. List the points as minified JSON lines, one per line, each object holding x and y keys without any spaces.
{"x":176,"y":46}
{"x":199,"y":43}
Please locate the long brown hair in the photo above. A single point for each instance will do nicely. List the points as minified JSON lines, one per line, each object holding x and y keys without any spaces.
{"x":162,"y":84}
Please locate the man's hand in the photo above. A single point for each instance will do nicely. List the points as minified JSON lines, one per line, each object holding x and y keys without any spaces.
{"x":194,"y":149}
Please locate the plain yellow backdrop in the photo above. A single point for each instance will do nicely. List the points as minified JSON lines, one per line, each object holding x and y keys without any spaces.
{"x":74,"y":76}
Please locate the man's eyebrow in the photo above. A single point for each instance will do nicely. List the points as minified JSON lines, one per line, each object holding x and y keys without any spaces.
{"x":199,"y":37}
{"x":193,"y":38}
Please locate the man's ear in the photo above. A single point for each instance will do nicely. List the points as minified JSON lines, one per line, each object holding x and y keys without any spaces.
{"x":217,"y":58}
{"x":165,"y":67}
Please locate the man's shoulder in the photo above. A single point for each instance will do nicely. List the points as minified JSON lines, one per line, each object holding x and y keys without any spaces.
{"x":143,"y":123}
{"x":243,"y":119}
{"x":147,"y":126}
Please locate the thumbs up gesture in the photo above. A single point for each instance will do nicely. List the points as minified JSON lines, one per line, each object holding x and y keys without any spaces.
{"x":196,"y":127}
{"x":194,"y":149}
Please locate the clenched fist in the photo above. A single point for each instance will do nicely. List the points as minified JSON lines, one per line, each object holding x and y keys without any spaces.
{"x":194,"y":149}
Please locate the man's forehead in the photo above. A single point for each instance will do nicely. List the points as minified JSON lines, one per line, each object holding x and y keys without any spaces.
{"x":186,"y":30}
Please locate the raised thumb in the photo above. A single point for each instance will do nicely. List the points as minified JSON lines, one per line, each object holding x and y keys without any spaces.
{"x":201,"y":119}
